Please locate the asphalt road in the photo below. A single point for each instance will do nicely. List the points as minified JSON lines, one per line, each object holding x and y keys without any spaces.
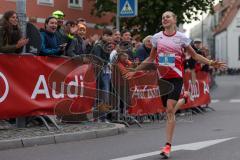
{"x":213,"y":125}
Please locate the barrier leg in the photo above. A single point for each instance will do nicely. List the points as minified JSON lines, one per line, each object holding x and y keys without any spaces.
{"x":44,"y":122}
{"x":209,"y":108}
{"x":52,"y":119}
{"x":203,"y":109}
{"x":134,"y":120}
{"x":119,"y":116}
{"x":199,"y":110}
{"x":21,"y":122}
{"x":194,"y":112}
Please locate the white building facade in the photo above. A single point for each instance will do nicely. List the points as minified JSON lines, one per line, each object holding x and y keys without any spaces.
{"x":227,"y":43}
{"x":221,"y":32}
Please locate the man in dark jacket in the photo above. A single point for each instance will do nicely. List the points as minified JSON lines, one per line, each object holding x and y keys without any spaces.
{"x":126,"y":43}
{"x":102,"y":50}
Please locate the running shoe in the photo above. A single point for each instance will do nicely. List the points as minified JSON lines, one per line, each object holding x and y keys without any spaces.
{"x":165,"y":152}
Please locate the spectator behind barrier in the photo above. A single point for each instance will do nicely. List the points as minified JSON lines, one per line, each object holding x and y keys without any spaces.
{"x":126,"y":38}
{"x":11,"y":40}
{"x":78,"y":45}
{"x":102,"y":50}
{"x":82,"y":21}
{"x":61,"y":35}
{"x":70,"y":30}
{"x":116,"y":36}
{"x":50,"y":45}
{"x":144,"y":50}
{"x":205,"y":67}
{"x":90,"y":42}
{"x":123,"y":63}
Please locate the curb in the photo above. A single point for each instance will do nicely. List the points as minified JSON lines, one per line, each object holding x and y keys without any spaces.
{"x":62,"y":138}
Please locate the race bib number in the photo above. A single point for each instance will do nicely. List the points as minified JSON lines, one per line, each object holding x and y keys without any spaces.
{"x":166,"y":59}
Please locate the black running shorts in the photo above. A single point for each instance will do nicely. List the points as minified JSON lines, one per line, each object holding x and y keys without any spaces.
{"x":176,"y":88}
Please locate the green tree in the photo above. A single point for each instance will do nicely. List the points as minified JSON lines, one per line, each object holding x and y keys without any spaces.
{"x":148,"y":20}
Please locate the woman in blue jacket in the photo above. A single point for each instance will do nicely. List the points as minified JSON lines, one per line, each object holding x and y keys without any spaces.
{"x":50,"y":43}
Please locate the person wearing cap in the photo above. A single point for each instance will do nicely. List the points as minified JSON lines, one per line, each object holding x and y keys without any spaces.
{"x":59,"y":15}
{"x":61,"y":35}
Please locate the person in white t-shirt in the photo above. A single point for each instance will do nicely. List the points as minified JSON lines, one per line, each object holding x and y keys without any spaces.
{"x":168,"y":51}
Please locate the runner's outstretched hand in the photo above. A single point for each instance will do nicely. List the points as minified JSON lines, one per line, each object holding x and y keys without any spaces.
{"x":218,"y":64}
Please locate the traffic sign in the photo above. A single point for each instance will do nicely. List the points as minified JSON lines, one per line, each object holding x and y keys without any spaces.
{"x":128,"y":8}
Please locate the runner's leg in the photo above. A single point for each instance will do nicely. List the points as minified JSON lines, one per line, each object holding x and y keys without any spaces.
{"x":171,"y":123}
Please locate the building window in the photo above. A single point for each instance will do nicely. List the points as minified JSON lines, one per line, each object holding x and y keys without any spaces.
{"x":75,"y":3}
{"x":45,"y":2}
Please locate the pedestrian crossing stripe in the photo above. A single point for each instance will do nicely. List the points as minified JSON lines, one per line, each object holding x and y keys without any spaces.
{"x":127,"y":8}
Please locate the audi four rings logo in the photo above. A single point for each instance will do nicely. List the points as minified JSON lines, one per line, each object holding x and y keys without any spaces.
{"x":4,"y":96}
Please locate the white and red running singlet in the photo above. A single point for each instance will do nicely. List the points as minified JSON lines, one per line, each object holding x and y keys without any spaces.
{"x":170,"y":52}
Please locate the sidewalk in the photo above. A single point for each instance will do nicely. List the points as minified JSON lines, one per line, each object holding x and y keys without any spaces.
{"x":26,"y":137}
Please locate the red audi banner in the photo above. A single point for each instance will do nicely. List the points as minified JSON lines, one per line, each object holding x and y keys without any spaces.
{"x":199,"y":90}
{"x":145,"y":92}
{"x":36,"y":85}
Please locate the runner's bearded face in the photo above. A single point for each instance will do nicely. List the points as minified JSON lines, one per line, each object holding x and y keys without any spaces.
{"x":51,"y":26}
{"x":168,"y":20}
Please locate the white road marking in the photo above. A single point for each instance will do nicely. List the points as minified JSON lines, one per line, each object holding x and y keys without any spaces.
{"x":190,"y":146}
{"x":214,"y":100}
{"x":235,"y":101}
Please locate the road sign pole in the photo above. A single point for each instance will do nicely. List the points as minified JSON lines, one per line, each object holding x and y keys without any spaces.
{"x":117,"y":17}
{"x":21,"y":12}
